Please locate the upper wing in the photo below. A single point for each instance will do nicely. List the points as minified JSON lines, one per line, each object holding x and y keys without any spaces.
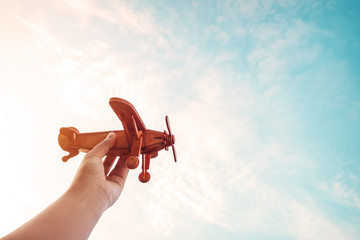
{"x":129,"y":117}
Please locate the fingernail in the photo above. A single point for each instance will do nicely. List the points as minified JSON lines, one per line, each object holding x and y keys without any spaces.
{"x":110,"y":135}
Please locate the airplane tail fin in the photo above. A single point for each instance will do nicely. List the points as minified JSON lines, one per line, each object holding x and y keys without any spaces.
{"x":67,"y":141}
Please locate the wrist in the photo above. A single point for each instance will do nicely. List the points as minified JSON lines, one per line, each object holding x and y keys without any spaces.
{"x":89,"y":200}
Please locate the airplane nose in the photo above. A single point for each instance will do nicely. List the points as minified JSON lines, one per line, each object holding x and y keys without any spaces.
{"x":169,"y":139}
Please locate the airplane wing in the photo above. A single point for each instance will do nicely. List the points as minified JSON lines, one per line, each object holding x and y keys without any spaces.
{"x":129,"y":117}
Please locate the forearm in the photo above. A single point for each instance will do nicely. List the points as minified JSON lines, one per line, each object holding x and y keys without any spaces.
{"x":72,"y":216}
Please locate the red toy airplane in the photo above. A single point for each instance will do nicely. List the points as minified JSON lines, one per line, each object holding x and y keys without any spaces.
{"x":134,"y":140}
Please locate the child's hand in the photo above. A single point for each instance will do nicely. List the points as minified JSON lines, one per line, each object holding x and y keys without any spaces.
{"x":93,"y":174}
{"x":75,"y":213}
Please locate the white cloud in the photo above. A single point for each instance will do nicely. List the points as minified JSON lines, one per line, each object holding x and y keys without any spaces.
{"x":124,"y":16}
{"x":347,"y":195}
{"x":310,"y":224}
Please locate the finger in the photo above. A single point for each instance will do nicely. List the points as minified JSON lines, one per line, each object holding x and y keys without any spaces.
{"x":103,"y":147}
{"x":120,"y":171}
{"x":108,"y":162}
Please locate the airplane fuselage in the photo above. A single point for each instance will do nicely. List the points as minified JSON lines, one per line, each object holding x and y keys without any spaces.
{"x":152,"y":141}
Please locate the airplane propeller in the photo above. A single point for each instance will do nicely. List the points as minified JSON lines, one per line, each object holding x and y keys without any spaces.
{"x":172,"y":137}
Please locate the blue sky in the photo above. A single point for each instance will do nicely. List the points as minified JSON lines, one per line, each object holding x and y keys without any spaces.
{"x":263,"y":97}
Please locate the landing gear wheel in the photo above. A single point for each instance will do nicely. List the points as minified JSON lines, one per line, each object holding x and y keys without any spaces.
{"x":144,"y":177}
{"x":132,"y":162}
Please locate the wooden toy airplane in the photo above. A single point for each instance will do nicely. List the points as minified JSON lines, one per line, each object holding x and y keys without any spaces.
{"x":134,"y":140}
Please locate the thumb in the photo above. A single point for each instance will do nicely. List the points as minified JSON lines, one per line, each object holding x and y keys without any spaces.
{"x":103,"y":147}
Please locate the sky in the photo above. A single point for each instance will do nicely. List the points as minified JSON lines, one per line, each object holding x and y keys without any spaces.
{"x":263,"y":98}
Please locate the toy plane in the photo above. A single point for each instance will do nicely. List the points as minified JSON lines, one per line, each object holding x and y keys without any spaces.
{"x":134,"y":140}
